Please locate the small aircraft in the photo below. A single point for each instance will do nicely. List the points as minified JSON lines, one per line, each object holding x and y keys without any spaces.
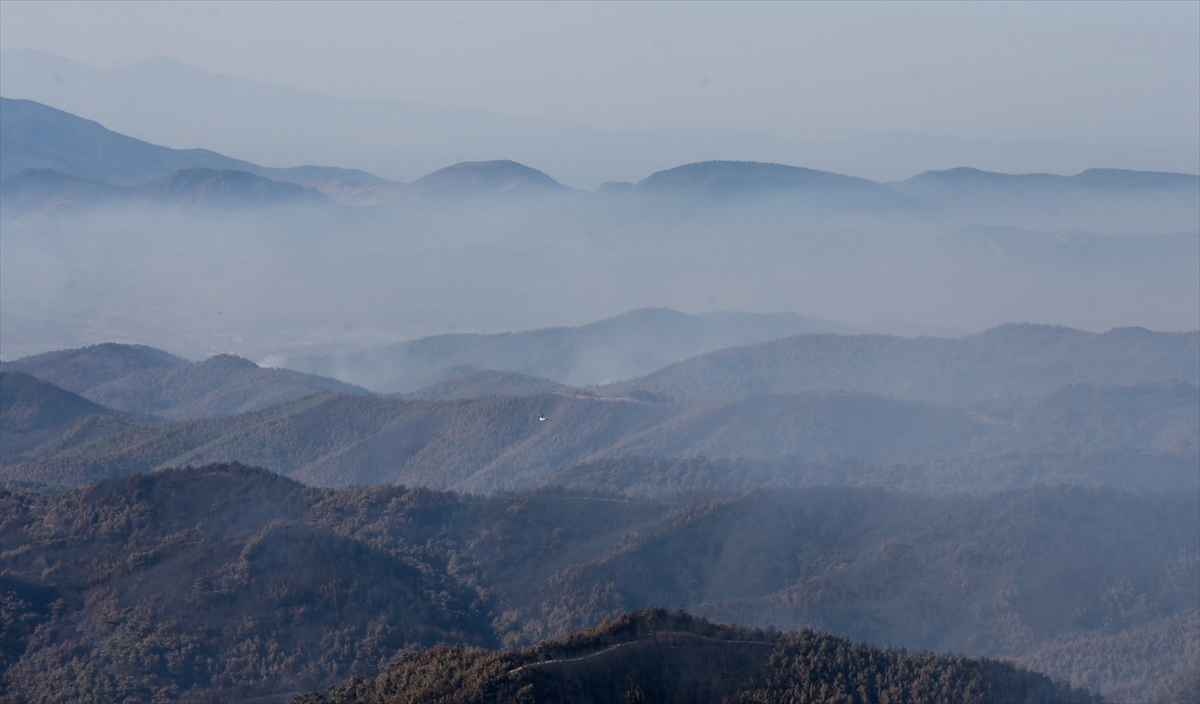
{"x":542,"y":418}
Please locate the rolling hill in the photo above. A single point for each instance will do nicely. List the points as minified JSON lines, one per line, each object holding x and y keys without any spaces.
{"x":39,"y":137}
{"x":225,"y":581}
{"x":39,"y":190}
{"x":1103,"y":200}
{"x":141,"y":379}
{"x":1025,"y":360}
{"x":473,"y":179}
{"x":655,"y":656}
{"x":619,"y":347}
{"x":739,"y":179}
{"x":484,"y":383}
{"x":331,"y":439}
{"x":38,"y":418}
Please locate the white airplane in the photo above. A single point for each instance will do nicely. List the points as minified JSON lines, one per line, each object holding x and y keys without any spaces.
{"x":542,"y":418}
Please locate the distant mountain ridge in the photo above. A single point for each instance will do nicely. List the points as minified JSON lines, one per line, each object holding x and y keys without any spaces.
{"x":477,"y":178}
{"x":732,"y":179}
{"x":140,"y":379}
{"x":1017,"y":359}
{"x":44,"y":190}
{"x":167,"y":102}
{"x":36,"y":136}
{"x":502,"y":442}
{"x":623,"y":346}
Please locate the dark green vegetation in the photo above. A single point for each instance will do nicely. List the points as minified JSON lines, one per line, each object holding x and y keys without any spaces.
{"x":333,"y":439}
{"x":1006,"y":360}
{"x":620,"y":347}
{"x":226,"y":579}
{"x":141,"y":379}
{"x":654,"y":656}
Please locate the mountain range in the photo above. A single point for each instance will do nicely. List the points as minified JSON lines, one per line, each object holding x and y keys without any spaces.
{"x":234,"y":578}
{"x":35,"y":136}
{"x":166,"y":102}
{"x":506,"y":442}
{"x":139,"y":379}
{"x":620,"y":347}
{"x":1006,"y":360}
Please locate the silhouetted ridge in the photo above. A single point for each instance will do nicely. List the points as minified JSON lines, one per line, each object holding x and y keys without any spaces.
{"x":37,"y":136}
{"x":141,"y":379}
{"x":477,"y":178}
{"x":728,"y":179}
{"x":655,"y":656}
{"x":33,"y":135}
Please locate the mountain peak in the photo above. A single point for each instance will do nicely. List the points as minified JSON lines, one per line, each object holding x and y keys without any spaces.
{"x":476,"y":178}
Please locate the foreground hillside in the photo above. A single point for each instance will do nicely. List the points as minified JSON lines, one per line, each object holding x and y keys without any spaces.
{"x":660,"y":657}
{"x":336,"y":440}
{"x":225,"y":581}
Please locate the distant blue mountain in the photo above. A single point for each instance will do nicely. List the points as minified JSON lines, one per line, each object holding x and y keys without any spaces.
{"x":46,"y":190}
{"x":477,"y":178}
{"x":35,"y":136}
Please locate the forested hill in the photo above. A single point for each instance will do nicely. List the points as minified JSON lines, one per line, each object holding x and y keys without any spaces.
{"x":226,"y":582}
{"x":623,"y":346}
{"x":141,"y":379}
{"x":484,"y":444}
{"x":656,"y":656}
{"x":1024,"y":360}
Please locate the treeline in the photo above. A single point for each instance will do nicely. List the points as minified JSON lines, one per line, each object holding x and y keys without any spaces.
{"x":656,"y":656}
{"x":226,"y":581}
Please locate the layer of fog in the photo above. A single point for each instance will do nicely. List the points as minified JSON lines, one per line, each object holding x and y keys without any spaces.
{"x":256,"y":283}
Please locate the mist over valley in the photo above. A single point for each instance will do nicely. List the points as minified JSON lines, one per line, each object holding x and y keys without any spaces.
{"x":340,"y":397}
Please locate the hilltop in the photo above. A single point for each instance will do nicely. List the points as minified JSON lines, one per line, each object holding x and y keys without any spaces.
{"x":44,"y":139}
{"x":733,"y":179}
{"x":656,"y":656}
{"x":1006,"y":360}
{"x":619,"y":347}
{"x":481,"y":178}
{"x":141,"y":379}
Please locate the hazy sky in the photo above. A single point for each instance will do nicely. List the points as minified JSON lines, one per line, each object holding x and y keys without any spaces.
{"x":1104,"y":73}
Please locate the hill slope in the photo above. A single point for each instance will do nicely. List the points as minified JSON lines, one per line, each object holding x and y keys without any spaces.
{"x":734,"y":179}
{"x":481,"y":178}
{"x":674,"y":658}
{"x":248,"y":584}
{"x":1006,"y":360}
{"x":37,"y":136}
{"x":484,"y":444}
{"x":620,"y":347}
{"x":38,"y":418}
{"x":1104,"y":200}
{"x":141,"y":379}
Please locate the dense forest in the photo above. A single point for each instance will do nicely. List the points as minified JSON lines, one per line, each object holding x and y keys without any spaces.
{"x":226,"y":581}
{"x":656,"y":656}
